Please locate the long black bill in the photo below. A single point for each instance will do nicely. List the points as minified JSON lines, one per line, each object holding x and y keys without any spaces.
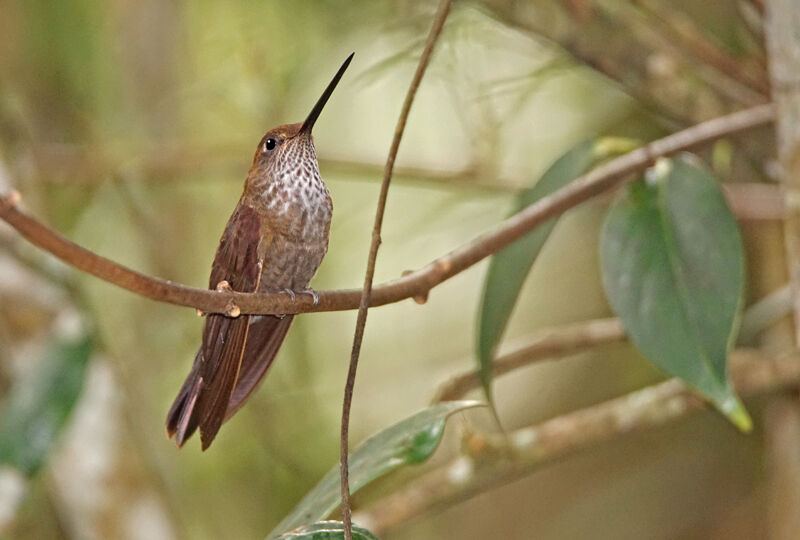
{"x":312,"y":116}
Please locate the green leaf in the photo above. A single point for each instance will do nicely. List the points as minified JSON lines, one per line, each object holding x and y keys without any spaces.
{"x":327,"y":530}
{"x":673,"y":270}
{"x":509,"y":267}
{"x":38,"y":407}
{"x":407,"y":442}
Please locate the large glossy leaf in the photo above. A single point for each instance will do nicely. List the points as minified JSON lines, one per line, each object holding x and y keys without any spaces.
{"x":407,"y":442}
{"x":509,"y":267}
{"x":39,"y":406}
{"x":673,"y":270}
{"x":327,"y":530}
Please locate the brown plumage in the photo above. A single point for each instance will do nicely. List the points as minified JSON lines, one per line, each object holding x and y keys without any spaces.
{"x":274,"y":241}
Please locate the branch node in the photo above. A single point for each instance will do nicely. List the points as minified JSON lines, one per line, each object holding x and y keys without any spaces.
{"x":444,"y":265}
{"x":422,"y":297}
{"x":11,"y":199}
{"x":232,"y":310}
{"x":224,"y":287}
{"x":200,"y":313}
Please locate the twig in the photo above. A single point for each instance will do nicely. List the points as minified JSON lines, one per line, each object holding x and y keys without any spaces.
{"x":765,"y":313}
{"x":753,"y":372}
{"x":546,"y":344}
{"x":656,"y":33}
{"x":414,"y":284}
{"x":626,"y":59}
{"x":679,"y":26}
{"x":361,"y":321}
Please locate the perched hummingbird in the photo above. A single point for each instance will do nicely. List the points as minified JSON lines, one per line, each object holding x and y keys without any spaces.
{"x":274,"y":241}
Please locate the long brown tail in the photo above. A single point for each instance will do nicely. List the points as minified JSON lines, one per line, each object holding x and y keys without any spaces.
{"x":192,"y":408}
{"x":266,"y":337}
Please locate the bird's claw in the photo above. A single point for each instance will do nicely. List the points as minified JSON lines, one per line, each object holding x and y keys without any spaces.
{"x":290,"y":292}
{"x":312,"y":293}
{"x":293,"y":294}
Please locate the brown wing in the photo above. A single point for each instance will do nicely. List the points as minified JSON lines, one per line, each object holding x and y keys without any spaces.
{"x":204,"y":397}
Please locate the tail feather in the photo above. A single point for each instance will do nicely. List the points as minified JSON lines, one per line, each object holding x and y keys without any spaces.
{"x":179,"y":418}
{"x":186,"y":424}
{"x":194,"y":406}
{"x":266,"y":337}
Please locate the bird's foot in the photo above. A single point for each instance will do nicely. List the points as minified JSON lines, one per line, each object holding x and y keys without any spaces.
{"x":290,"y":292}
{"x":312,"y":293}
{"x":292,"y":296}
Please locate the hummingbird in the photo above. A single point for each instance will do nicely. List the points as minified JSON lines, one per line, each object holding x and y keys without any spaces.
{"x":274,"y":242}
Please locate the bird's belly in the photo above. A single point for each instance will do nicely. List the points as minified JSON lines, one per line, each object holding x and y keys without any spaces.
{"x":297,"y":227}
{"x":290,"y":264}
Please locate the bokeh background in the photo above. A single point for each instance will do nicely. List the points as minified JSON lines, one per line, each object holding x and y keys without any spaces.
{"x":129,"y":127}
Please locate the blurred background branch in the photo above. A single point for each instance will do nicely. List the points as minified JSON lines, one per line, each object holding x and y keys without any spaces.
{"x":493,"y":463}
{"x":782,"y":416}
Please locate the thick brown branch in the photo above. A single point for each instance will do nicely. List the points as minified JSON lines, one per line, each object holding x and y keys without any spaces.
{"x":417,"y":283}
{"x":752,"y":372}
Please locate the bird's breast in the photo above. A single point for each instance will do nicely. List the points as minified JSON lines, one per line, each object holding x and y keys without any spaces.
{"x":299,"y":209}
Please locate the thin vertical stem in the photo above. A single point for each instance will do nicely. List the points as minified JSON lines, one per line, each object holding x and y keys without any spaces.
{"x":361,"y":321}
{"x":783,"y":44}
{"x":782,"y":418}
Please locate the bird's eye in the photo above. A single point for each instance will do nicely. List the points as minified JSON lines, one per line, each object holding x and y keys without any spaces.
{"x":269,"y":145}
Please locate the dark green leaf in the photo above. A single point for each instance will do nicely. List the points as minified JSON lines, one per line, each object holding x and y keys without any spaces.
{"x":509,"y":267}
{"x":327,"y":530}
{"x":39,"y":406}
{"x":673,"y":270}
{"x":407,"y":442}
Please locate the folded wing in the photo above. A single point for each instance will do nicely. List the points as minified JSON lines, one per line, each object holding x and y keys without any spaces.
{"x":204,"y":399}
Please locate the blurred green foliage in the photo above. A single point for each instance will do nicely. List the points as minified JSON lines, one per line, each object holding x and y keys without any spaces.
{"x":39,"y":406}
